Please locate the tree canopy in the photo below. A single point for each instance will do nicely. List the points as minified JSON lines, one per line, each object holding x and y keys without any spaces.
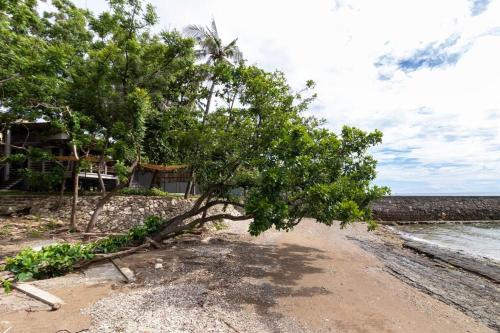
{"x":138,"y":96}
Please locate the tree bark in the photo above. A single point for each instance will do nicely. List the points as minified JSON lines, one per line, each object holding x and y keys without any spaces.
{"x":178,"y":228}
{"x":108,"y":256}
{"x":209,"y":101}
{"x":99,"y":176}
{"x":175,"y":224}
{"x":106,"y":198}
{"x":190,"y":183}
{"x":74,"y":203}
{"x":61,"y":192}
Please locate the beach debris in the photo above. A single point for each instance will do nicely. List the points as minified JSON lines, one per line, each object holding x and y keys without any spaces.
{"x":41,"y":295}
{"x":126,"y":272}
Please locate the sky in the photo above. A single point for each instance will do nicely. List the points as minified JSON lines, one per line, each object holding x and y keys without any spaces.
{"x":426,"y":73}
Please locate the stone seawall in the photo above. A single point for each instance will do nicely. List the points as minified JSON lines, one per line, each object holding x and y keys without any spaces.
{"x":121,"y":213}
{"x":437,"y":208}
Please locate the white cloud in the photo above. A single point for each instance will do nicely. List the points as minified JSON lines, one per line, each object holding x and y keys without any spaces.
{"x":442,"y":120}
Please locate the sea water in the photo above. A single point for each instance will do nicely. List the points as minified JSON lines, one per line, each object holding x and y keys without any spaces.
{"x":476,"y":239}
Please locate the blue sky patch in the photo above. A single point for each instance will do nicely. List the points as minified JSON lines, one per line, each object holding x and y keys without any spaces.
{"x":478,"y":6}
{"x":431,"y":56}
{"x":434,"y":55}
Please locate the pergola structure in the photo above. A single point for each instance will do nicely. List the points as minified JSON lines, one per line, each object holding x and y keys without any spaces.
{"x":166,"y":173}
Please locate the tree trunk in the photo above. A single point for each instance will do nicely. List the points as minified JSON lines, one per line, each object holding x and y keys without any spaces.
{"x":75,"y":177}
{"x":190,"y":183}
{"x":153,"y":180}
{"x":205,"y":212}
{"x":205,"y":114}
{"x":101,"y":181}
{"x":61,"y":192}
{"x":209,"y":101}
{"x":106,"y":198}
{"x":175,"y":224}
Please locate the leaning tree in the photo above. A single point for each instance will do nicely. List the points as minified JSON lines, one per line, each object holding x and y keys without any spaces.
{"x":266,"y":156}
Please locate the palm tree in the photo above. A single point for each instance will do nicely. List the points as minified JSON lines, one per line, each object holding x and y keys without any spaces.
{"x":213,"y":50}
{"x":211,"y":44}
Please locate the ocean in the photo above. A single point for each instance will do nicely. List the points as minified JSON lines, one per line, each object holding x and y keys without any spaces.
{"x":474,"y":239}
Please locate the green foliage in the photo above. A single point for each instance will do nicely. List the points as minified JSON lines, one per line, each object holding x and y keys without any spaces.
{"x":145,"y":191}
{"x":58,"y":259}
{"x":39,"y":181}
{"x":135,"y":235}
{"x":50,"y":261}
{"x":7,"y":286}
{"x":288,"y":166}
{"x":117,"y":88}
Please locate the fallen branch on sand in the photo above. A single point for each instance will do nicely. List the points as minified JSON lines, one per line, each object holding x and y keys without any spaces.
{"x":109,"y":256}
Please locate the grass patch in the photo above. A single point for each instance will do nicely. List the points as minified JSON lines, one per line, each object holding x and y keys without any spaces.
{"x":5,"y":231}
{"x":153,"y":192}
{"x":220,"y":225}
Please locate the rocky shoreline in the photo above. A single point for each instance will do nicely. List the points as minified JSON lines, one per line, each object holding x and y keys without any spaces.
{"x":469,"y":284}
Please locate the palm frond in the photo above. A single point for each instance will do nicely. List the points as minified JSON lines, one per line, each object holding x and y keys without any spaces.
{"x":211,"y":44}
{"x":197,"y":32}
{"x":214,"y":28}
{"x":233,"y":51}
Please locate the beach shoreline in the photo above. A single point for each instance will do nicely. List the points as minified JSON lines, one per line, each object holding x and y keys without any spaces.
{"x":466,"y":282}
{"x":313,"y":279}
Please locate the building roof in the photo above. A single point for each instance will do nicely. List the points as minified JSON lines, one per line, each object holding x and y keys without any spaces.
{"x":165,"y":168}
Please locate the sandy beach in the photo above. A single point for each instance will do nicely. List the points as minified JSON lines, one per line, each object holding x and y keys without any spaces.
{"x":313,"y":279}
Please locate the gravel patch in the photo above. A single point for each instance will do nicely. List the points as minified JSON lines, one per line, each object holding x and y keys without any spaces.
{"x":179,"y":308}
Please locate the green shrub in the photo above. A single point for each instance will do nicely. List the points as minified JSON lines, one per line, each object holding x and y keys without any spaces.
{"x":135,"y":235}
{"x":144,"y":191}
{"x":50,"y":261}
{"x":38,"y":181}
{"x":58,"y":259}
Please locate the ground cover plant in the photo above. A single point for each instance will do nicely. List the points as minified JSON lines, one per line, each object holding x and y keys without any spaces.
{"x":59,"y":259}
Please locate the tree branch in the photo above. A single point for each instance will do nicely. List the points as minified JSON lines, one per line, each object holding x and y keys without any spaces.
{"x":15,"y":76}
{"x":179,"y":229}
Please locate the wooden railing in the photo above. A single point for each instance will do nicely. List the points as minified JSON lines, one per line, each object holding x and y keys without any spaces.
{"x":46,"y":166}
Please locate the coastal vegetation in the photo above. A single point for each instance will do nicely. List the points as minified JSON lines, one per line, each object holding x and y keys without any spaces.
{"x":118,"y":88}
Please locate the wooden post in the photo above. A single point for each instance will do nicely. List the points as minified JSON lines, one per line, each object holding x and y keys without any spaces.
{"x":153,"y":180}
{"x":7,"y":150}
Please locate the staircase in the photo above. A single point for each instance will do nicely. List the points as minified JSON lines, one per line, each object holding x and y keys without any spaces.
{"x":9,"y":184}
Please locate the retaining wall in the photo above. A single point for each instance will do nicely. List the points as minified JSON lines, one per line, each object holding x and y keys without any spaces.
{"x":121,"y":213}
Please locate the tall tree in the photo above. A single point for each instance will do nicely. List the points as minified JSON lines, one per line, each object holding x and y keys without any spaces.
{"x":129,"y":79}
{"x":215,"y":53}
{"x":38,"y":57}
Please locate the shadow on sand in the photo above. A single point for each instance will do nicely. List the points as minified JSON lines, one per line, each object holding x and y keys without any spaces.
{"x":241,"y":273}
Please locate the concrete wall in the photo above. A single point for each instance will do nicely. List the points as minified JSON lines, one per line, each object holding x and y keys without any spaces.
{"x":430,"y":208}
{"x":121,"y":213}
